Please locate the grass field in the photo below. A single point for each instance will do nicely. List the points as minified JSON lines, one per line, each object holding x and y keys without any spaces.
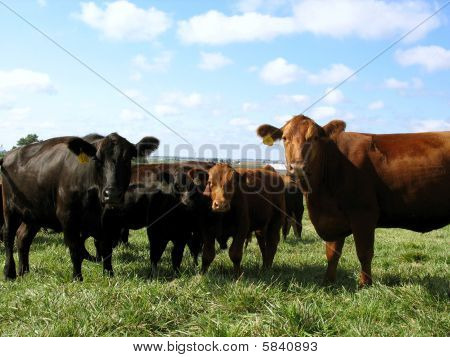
{"x":410,"y":296}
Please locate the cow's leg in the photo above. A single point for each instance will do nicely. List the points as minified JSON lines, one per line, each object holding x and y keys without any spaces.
{"x":209,"y":253}
{"x":248,"y":239}
{"x":98,"y":250}
{"x":297,"y":225}
{"x":333,"y":252}
{"x":262,"y":244}
{"x":12,"y":223}
{"x":195,"y":245}
{"x":364,"y":242}
{"x":235,"y":252}
{"x":157,"y":247}
{"x":107,"y":258}
{"x":76,"y":247}
{"x":177,"y":255}
{"x":25,"y":235}
{"x":285,"y":227}
{"x":124,"y":234}
{"x":272,"y":240}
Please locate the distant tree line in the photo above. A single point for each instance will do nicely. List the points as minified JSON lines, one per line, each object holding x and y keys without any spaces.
{"x":29,"y":139}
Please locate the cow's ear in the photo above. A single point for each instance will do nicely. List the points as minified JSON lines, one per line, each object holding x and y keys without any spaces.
{"x":146,"y":146}
{"x":269,"y":134}
{"x":82,"y":149}
{"x":334,"y":128}
{"x":198,"y":176}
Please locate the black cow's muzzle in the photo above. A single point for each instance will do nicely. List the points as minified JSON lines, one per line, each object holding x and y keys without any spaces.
{"x":112,"y":197}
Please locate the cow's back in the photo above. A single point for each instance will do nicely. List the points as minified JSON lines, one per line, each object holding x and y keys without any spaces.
{"x":41,"y":175}
{"x":410,"y":174}
{"x":264,"y":192}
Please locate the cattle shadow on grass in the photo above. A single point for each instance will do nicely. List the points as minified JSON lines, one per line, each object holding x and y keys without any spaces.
{"x":436,"y":285}
{"x":310,"y":275}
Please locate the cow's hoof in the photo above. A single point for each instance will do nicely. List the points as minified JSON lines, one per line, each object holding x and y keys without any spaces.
{"x":23,"y":271}
{"x":364,"y":284}
{"x":108,"y":273}
{"x":10,"y":273}
{"x":77,"y":278}
{"x":327,"y":281}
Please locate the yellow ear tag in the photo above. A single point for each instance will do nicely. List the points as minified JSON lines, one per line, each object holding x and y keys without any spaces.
{"x":267,"y":140}
{"x":83,"y":158}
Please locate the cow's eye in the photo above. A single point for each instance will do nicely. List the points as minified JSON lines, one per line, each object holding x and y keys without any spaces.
{"x":283,"y":138}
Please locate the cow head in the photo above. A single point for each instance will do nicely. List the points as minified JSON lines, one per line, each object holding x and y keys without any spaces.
{"x":111,"y":158}
{"x":221,"y":186}
{"x":303,"y":141}
{"x":191,"y":185}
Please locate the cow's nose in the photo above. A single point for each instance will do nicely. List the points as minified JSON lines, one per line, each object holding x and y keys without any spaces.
{"x":215,"y":205}
{"x":296,"y":169}
{"x":111,"y":195}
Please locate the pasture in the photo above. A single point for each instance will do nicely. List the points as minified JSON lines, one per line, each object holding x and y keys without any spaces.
{"x":410,"y":295}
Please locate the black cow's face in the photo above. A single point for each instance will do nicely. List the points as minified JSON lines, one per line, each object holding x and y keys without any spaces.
{"x":112,"y":156}
{"x":191,"y":185}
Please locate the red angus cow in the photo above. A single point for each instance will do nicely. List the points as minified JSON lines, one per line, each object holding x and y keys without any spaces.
{"x":358,"y":182}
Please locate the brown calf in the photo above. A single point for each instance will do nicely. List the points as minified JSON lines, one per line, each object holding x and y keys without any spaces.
{"x":249,"y":200}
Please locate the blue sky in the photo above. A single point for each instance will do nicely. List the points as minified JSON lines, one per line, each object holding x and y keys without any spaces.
{"x":214,"y":71}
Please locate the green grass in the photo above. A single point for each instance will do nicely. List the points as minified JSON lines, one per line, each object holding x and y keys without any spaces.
{"x":410,"y":295}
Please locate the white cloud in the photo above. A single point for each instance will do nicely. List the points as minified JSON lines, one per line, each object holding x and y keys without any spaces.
{"x":135,"y":94}
{"x":335,"y":74}
{"x":366,"y":19}
{"x":431,"y":125}
{"x":215,"y":28}
{"x":165,"y":110}
{"x":249,"y":106}
{"x":18,"y":113}
{"x":325,"y":112}
{"x":191,"y":100}
{"x":211,"y":61}
{"x":294,"y":98}
{"x":123,"y":20}
{"x":25,"y":80}
{"x":283,"y":118}
{"x":131,"y":115}
{"x":376,"y":105}
{"x":244,"y":123}
{"x":333,"y":96}
{"x":6,"y":100}
{"x":159,"y":63}
{"x":432,"y":58}
{"x":42,"y":3}
{"x":279,"y":72}
{"x":239,"y":121}
{"x":393,"y":83}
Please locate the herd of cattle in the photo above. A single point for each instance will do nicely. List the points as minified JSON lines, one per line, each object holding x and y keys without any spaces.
{"x":352,"y":183}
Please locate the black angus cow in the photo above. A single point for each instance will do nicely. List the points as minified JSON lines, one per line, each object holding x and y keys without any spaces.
{"x":67,"y":184}
{"x":164,"y":198}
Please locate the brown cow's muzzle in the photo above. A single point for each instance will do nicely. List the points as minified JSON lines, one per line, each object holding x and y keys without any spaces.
{"x":297,"y":170}
{"x":220,"y":206}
